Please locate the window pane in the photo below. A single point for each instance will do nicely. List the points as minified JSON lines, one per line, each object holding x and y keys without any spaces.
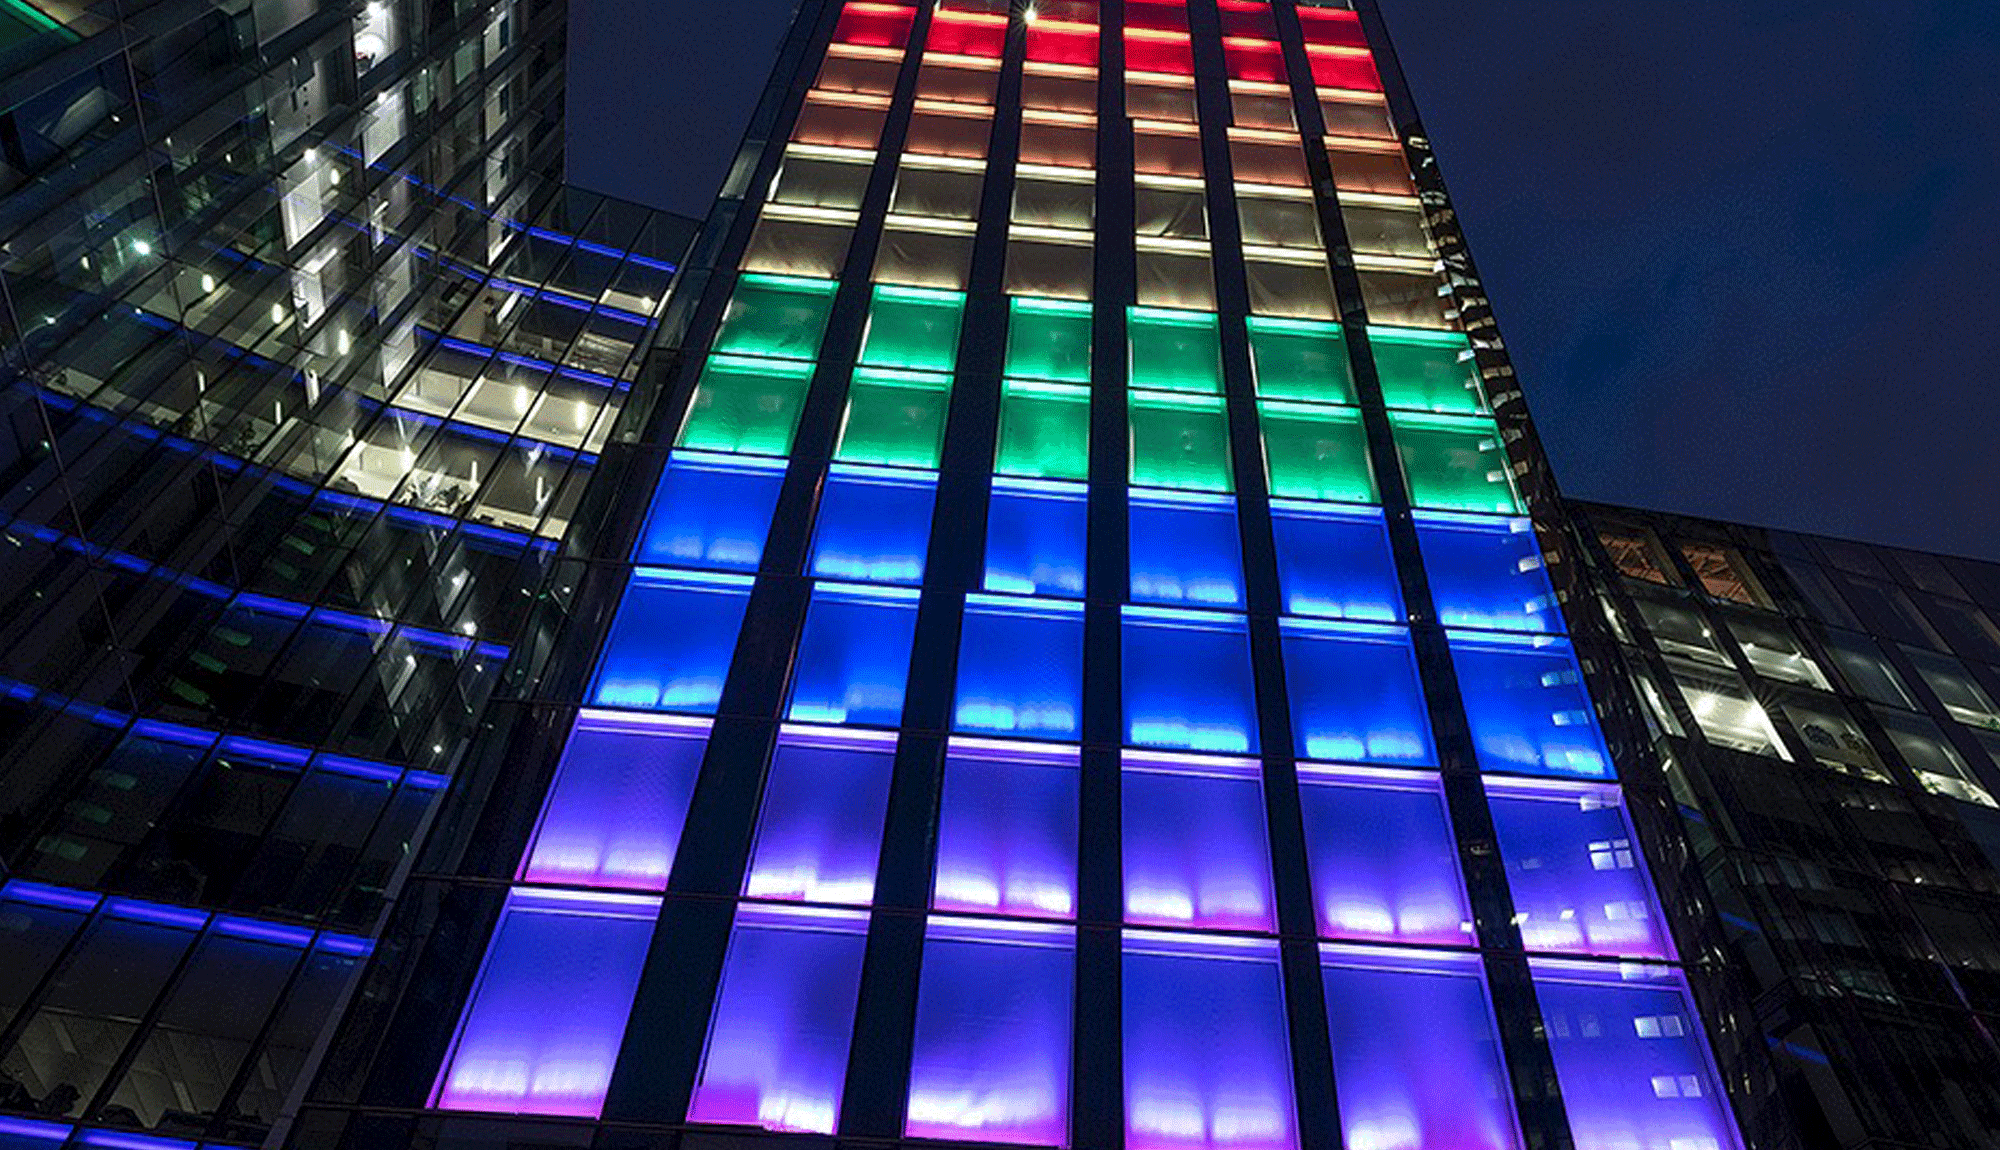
{"x":873,"y":527}
{"x":615,"y":810}
{"x":1938,"y":765}
{"x":1297,"y":359}
{"x":820,"y":832}
{"x":784,"y":1017}
{"x":1035,"y":539}
{"x":1195,"y":847}
{"x":1426,"y":370}
{"x":1382,"y":858}
{"x":1527,"y":705}
{"x":894,"y":417}
{"x":1187,"y":681}
{"x":1577,"y":874}
{"x":1867,"y":670}
{"x":670,"y":646}
{"x":1414,"y":1052}
{"x":1314,"y":452}
{"x":1775,"y":653}
{"x":1020,"y":667}
{"x":1725,"y":710}
{"x":542,"y":1030}
{"x":1185,"y":551}
{"x":1049,"y":339}
{"x":1487,"y":573}
{"x":1180,"y":443}
{"x":1454,"y":464}
{"x":1007,"y":831}
{"x":912,"y":328}
{"x":854,"y":657}
{"x":1174,"y":351}
{"x":1207,"y":1061}
{"x":746,"y":405}
{"x":776,"y":316}
{"x":1355,"y":695}
{"x":1334,"y":562}
{"x":1963,"y":698}
{"x":712,"y":513}
{"x":991,"y":1054}
{"x":1044,"y":431}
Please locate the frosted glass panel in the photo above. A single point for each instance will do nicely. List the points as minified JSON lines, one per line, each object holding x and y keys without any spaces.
{"x":1007,"y":832}
{"x":1487,"y":572}
{"x":1207,"y":1064}
{"x":1020,"y":667}
{"x":1187,"y":681}
{"x":854,"y":657}
{"x":991,"y":1055}
{"x":1576,"y":871}
{"x":1630,"y":1058}
{"x":1527,"y":705}
{"x":1185,"y":551}
{"x":820,"y":834}
{"x":1355,"y":694}
{"x":543,"y":1027}
{"x":615,"y":811}
{"x":712,"y":513}
{"x":1383,"y":860}
{"x":873,"y":528}
{"x":1414,"y":1055}
{"x":784,"y":1016}
{"x":669,"y":648}
{"x":1195,"y":848}
{"x":1335,"y":563}
{"x":1035,"y":539}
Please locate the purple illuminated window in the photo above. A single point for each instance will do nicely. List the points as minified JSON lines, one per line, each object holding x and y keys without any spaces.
{"x":991,"y":1057}
{"x":1631,"y":1059}
{"x":1383,"y":858}
{"x":1195,"y":852}
{"x":777,"y":1045}
{"x":615,"y":811}
{"x":1007,"y":831}
{"x":543,"y":1028}
{"x":820,"y":833}
{"x":1578,"y":878}
{"x":1207,"y":1062}
{"x":1414,"y":1053}
{"x":1525,"y":699}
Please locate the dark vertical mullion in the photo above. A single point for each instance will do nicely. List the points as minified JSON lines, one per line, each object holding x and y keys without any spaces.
{"x":1315,"y":1099}
{"x":661,"y":1054}
{"x":1097,"y":1096}
{"x":1524,"y":1042}
{"x":873,"y":1102}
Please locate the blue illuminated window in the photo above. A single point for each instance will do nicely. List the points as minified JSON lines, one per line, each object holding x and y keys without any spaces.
{"x":670,"y":646}
{"x":854,"y":658}
{"x":991,"y":1056}
{"x":784,"y":1017}
{"x":1526,"y":703}
{"x":1355,"y":694}
{"x":1579,"y":881}
{"x":1185,"y":550}
{"x":1486,"y":572}
{"x":1007,"y":831}
{"x":1382,"y":857}
{"x":548,"y":1013}
{"x":1195,"y":850}
{"x":819,"y":835}
{"x":1035,"y":538}
{"x":1335,"y":562}
{"x":620,"y":795}
{"x":712,"y":511}
{"x":1020,"y":667}
{"x":1207,"y":1060}
{"x":874,"y":525}
{"x":1187,"y":681}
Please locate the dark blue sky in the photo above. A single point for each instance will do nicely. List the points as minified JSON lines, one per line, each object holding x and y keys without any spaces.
{"x":1746,"y":256}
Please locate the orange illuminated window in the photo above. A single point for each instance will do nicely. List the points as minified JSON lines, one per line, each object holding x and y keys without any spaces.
{"x":940,"y":132}
{"x":839,"y":125}
{"x":869,"y":75}
{"x":1343,"y":68}
{"x":1267,"y":158}
{"x":874,"y":25}
{"x":1064,"y":144}
{"x":1158,"y":154}
{"x":949,"y":82}
{"x":1353,"y":114}
{"x":1382,"y":170}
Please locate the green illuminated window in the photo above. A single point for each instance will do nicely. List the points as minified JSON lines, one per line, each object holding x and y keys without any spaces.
{"x":1315,"y":452}
{"x":913,"y":328}
{"x":1300,"y":359}
{"x":1426,"y":370}
{"x":1180,"y":441}
{"x":1174,"y":350}
{"x":1049,"y":339}
{"x":776,"y":315}
{"x":746,"y":405}
{"x":1454,"y":463}
{"x":1044,"y":431}
{"x":894,"y":417}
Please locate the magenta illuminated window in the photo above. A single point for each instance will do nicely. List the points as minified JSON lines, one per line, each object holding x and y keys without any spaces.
{"x":620,"y":795}
{"x":991,"y":1056}
{"x":784,"y":1016}
{"x":547,"y":1015}
{"x":1630,"y":1057}
{"x":819,"y":835}
{"x":1194,"y":843}
{"x":1208,"y":1064}
{"x":1382,"y":857}
{"x":1007,"y":830}
{"x":1415,"y":1058}
{"x":1577,"y":874}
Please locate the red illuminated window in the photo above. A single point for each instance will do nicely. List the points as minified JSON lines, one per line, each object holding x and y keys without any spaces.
{"x":1259,"y":60}
{"x":1150,"y":51}
{"x":968,"y":34}
{"x":1247,"y":18}
{"x":1340,"y":68}
{"x":1165,"y":15}
{"x":874,"y":25}
{"x":1332,"y":26}
{"x":1053,"y":43}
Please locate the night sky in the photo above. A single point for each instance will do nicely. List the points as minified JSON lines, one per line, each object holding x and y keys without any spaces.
{"x":1746,"y":256}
